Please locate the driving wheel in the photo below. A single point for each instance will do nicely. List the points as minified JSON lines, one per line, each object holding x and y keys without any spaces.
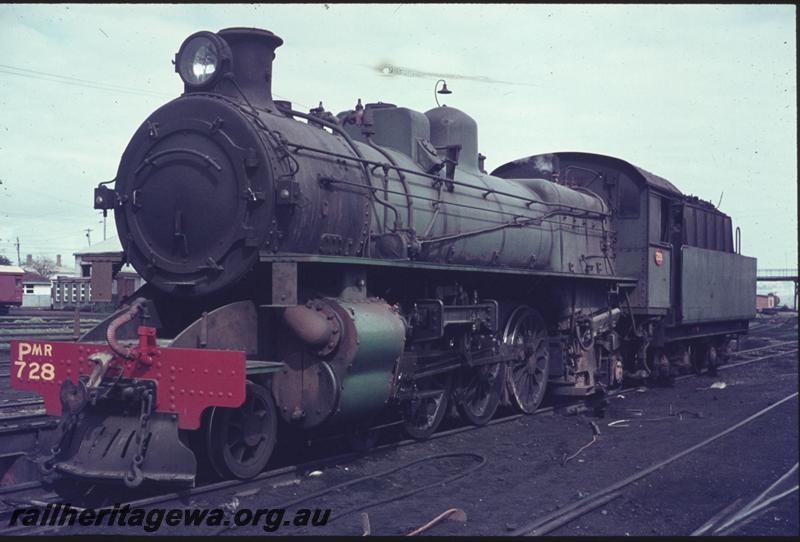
{"x":527,"y":373}
{"x":424,"y":413}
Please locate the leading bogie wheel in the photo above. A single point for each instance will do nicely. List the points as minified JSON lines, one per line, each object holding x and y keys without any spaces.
{"x":527,"y":373}
{"x":240,"y":441}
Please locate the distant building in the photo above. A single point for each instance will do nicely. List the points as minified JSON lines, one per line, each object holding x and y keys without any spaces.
{"x":35,"y":290}
{"x":58,"y":269}
{"x":70,"y":291}
{"x":768,"y":301}
{"x":62,"y":269}
{"x":99,"y":277}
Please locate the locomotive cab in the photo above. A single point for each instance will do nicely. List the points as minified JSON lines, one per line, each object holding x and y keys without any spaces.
{"x":695,"y":290}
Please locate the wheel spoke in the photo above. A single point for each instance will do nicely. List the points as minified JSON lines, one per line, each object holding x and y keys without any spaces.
{"x":259,"y":447}
{"x":527,"y":376}
{"x":237,"y":450}
{"x":239,"y":441}
{"x":422,"y":418}
{"x":236,"y":423}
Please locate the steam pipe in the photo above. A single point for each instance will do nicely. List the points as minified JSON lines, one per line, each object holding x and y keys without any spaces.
{"x":309,"y":325}
{"x":402,"y":177}
{"x":119,"y":321}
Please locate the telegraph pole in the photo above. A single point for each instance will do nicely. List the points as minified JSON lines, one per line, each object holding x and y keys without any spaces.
{"x":19,"y":260}
{"x":88,"y":236}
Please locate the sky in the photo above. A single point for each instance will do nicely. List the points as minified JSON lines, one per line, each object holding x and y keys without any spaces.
{"x":704,"y":96}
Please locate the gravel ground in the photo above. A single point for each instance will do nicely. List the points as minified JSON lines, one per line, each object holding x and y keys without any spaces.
{"x":524,"y":478}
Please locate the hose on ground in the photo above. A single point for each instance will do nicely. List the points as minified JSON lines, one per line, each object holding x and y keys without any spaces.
{"x":480,"y":462}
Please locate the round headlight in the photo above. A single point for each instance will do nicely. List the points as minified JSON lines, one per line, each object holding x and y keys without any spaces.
{"x":200,"y":58}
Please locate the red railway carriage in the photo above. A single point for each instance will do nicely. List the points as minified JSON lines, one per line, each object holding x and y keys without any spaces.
{"x":10,"y":287}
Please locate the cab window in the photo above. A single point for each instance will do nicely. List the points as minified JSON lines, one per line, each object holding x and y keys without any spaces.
{"x":628,"y":198}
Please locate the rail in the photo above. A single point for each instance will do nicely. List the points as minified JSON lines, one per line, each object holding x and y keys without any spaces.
{"x":292,"y":470}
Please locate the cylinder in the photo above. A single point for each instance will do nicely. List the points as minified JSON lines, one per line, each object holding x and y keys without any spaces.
{"x":348,"y":383}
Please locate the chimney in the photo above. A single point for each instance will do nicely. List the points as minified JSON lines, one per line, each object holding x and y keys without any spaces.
{"x":58,"y":260}
{"x":29,"y":260}
{"x":253,"y":51}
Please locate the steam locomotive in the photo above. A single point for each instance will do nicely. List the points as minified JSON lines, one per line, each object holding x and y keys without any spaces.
{"x":323,"y":271}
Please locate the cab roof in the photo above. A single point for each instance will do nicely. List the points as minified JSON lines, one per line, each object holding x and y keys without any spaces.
{"x":529,"y":167}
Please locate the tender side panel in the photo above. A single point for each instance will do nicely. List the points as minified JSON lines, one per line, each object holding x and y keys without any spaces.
{"x":716,"y":286}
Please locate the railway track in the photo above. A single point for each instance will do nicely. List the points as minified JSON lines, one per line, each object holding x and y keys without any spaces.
{"x":4,"y":365}
{"x":35,"y":420}
{"x":549,"y":522}
{"x":62,"y":336}
{"x":15,"y":422}
{"x":780,"y":347}
{"x":733,"y":517}
{"x":773,"y":324}
{"x":25,"y":421}
{"x":37,"y":320}
{"x":13,"y":407}
{"x":43,"y":333}
{"x":46,"y":332}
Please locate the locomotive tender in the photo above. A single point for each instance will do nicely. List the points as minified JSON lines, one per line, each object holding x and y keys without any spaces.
{"x":325,"y":271}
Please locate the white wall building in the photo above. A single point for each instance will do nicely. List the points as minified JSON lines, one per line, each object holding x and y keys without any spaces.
{"x":36,"y":290}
